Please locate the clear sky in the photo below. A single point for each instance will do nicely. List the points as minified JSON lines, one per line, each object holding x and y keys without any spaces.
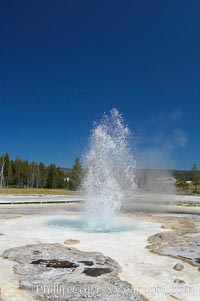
{"x":63,"y":63}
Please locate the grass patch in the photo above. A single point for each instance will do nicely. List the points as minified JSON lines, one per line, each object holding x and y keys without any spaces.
{"x":35,"y":191}
{"x":188,"y":204}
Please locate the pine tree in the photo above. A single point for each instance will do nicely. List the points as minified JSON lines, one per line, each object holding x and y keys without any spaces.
{"x":7,"y":170}
{"x":181,"y":181}
{"x":25,"y":173}
{"x":76,"y":175}
{"x":195,"y":176}
{"x":51,"y":176}
{"x":60,"y":178}
{"x":18,"y":172}
{"x":42,"y":175}
{"x":2,"y":166}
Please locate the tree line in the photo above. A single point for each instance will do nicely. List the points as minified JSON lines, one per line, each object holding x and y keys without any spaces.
{"x":185,"y":179}
{"x":151,"y":179}
{"x":22,"y":173}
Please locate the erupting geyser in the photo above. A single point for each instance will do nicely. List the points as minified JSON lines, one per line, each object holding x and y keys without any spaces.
{"x":110,"y":170}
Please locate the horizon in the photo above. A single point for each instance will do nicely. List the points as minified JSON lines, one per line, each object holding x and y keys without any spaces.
{"x":64,"y":64}
{"x":70,"y":167}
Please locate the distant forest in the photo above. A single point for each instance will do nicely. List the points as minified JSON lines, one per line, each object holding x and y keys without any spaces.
{"x":22,"y":173}
{"x":167,"y":172}
{"x":157,"y":180}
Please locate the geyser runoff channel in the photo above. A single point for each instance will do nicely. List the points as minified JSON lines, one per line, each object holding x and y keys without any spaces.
{"x":110,"y":170}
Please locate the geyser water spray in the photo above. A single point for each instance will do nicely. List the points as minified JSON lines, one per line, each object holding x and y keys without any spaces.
{"x":109,"y":170}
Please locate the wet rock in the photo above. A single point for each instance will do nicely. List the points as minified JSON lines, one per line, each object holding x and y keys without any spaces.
{"x":179,"y":281}
{"x":54,"y":263}
{"x":58,"y":273}
{"x":71,"y":242}
{"x":178,"y":267}
{"x":154,"y":246}
{"x":95,"y":272}
{"x":177,"y":244}
{"x":181,"y":224}
{"x":87,"y":262}
{"x":163,"y":237}
{"x":100,"y":259}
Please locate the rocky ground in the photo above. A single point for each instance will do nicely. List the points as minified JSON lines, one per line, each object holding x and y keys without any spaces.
{"x":162,"y":266}
{"x":183,"y":242}
{"x":57,"y":273}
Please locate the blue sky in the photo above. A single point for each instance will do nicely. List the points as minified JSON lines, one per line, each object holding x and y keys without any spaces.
{"x":64,"y":63}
